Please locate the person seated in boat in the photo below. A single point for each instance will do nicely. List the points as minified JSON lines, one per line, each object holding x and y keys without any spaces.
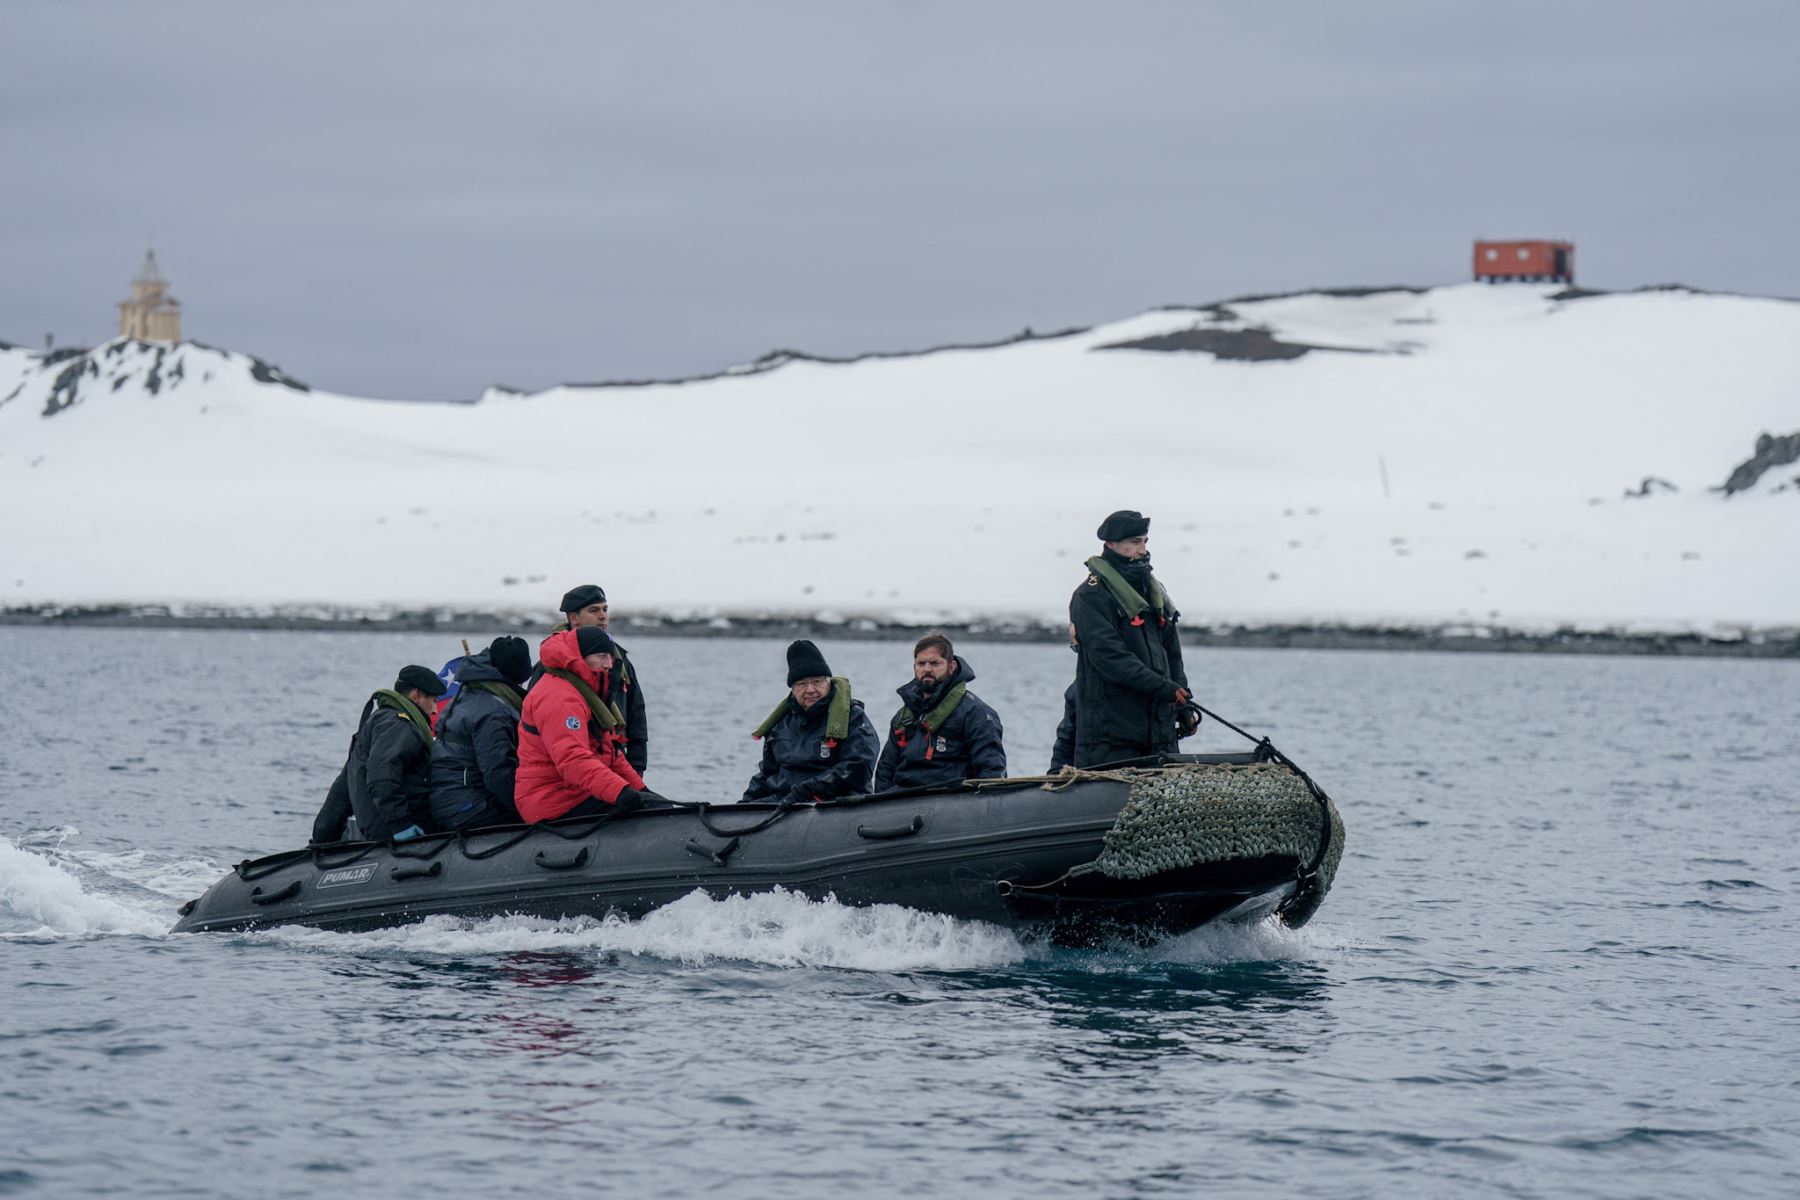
{"x":1131,"y":688}
{"x":818,"y":744}
{"x":571,"y":735}
{"x":943,"y":733}
{"x":587,"y":605}
{"x":1062,"y":754}
{"x":385,"y":782}
{"x":476,"y":756}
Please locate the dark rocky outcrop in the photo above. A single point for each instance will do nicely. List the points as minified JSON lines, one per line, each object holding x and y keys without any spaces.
{"x":264,"y":372}
{"x":1651,"y":485}
{"x":1771,"y":452}
{"x":1236,"y":345}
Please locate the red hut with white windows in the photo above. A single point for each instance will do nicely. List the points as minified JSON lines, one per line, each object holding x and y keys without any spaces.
{"x":1525,"y":262}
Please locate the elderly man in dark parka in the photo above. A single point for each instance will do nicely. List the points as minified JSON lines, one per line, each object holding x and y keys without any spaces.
{"x":818,"y":743}
{"x":1131,"y":689}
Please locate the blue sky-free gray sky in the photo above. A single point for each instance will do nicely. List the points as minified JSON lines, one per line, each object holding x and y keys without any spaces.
{"x":419,"y":199}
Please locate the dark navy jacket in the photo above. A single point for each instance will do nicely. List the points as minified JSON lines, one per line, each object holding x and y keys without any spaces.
{"x":1125,"y":677}
{"x":968,"y":746}
{"x":477,"y":752}
{"x":796,"y":753}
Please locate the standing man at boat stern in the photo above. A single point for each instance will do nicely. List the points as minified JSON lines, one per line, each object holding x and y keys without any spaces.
{"x":818,"y":744}
{"x":943,"y":733}
{"x":586,"y":606}
{"x":1131,"y":689}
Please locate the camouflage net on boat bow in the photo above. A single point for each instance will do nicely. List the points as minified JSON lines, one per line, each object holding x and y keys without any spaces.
{"x":1180,"y":816}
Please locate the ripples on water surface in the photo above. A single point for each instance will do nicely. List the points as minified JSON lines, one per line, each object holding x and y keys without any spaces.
{"x":1560,"y":958}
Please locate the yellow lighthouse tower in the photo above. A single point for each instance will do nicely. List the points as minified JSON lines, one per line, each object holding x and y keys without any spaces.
{"x":151,"y":313}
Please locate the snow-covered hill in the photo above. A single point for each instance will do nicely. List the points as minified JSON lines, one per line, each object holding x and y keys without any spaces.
{"x":1458,"y":455}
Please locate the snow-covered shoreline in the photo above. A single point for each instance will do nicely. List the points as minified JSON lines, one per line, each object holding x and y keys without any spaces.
{"x":477,"y":626}
{"x":1457,"y":458}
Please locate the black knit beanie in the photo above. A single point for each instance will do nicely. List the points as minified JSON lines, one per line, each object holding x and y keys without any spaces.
{"x":512,"y":658}
{"x":805,"y":662}
{"x":591,"y":639}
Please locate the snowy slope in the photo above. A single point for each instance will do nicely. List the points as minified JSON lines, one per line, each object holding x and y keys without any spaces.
{"x":966,"y":483}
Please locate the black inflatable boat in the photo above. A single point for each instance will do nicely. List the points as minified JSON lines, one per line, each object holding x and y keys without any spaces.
{"x":1145,"y":850}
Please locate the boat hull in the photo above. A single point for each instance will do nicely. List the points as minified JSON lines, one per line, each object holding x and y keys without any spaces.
{"x":1011,"y":853}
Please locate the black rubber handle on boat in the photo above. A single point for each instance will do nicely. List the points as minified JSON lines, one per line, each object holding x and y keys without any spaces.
{"x":567,"y":864}
{"x":898,"y":831}
{"x":286,"y":893}
{"x":718,"y":856}
{"x":431,"y":872}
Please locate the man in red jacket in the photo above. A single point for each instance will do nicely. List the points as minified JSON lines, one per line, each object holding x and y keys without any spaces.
{"x":571,"y":737}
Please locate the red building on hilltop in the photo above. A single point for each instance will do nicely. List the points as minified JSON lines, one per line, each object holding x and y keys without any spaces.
{"x":1525,"y":262}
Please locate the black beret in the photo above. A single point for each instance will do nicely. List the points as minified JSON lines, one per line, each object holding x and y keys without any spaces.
{"x":423,"y":678}
{"x":591,"y":639}
{"x":1123,"y":524}
{"x":805,"y":662}
{"x":578,"y":598}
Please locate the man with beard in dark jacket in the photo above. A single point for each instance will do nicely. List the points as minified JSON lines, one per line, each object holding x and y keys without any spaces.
{"x":943,"y":733}
{"x":818,"y":744}
{"x":1131,"y":689}
{"x":584,"y":606}
{"x":477,"y":752}
{"x":386,"y":778}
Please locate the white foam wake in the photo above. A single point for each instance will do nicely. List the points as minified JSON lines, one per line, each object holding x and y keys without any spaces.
{"x":779,"y":928}
{"x":40,"y":899}
{"x":1266,"y":940}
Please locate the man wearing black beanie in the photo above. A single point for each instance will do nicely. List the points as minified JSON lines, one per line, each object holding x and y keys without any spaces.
{"x":476,"y":758}
{"x":818,"y":744}
{"x":1131,"y":688}
{"x":586,"y":606}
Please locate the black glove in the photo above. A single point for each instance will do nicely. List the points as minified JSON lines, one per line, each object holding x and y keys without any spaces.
{"x":656,"y":798}
{"x":800,"y":793}
{"x":629,"y":801}
{"x":1187,"y":718}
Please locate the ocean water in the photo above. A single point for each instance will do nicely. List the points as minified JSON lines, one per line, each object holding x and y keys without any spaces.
{"x":1559,"y":960}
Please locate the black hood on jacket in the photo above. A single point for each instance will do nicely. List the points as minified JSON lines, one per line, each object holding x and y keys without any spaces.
{"x":480,"y":668}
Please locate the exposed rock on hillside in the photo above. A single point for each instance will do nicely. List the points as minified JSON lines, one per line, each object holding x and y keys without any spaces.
{"x":1771,"y":452}
{"x":1234,"y":345}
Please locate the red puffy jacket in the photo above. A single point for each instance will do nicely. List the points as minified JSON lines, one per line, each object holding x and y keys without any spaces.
{"x":564,"y":756}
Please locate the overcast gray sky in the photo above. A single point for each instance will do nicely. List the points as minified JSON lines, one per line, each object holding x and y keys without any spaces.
{"x":419,"y":199}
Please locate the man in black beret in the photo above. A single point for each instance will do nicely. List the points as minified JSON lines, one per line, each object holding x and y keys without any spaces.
{"x":385,"y":782}
{"x":818,"y":743}
{"x":1131,"y":689}
{"x":586,"y":605}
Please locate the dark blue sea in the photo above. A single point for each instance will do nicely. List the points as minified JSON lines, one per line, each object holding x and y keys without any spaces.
{"x":1560,"y":958}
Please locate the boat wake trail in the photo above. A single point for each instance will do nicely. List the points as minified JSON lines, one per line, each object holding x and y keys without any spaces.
{"x":1224,"y":944}
{"x":785,"y":929}
{"x":42,"y":899}
{"x":780,"y":929}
